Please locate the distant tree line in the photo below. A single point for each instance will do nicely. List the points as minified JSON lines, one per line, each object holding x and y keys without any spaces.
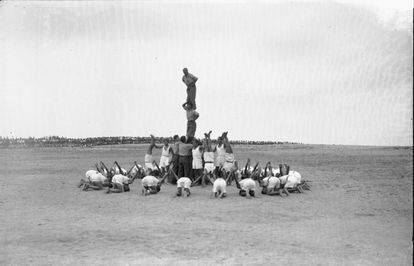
{"x":56,"y":141}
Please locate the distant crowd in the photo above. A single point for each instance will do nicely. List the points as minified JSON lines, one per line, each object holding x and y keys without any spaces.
{"x":56,"y":141}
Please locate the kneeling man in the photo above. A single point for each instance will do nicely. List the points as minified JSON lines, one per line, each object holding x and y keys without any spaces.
{"x":151,"y":184}
{"x":120,"y":183}
{"x":247,"y":185}
{"x":219,"y":185}
{"x":183,"y":183}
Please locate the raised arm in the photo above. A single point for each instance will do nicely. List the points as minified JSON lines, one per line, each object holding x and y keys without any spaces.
{"x":194,"y":81}
{"x":255,"y":167}
{"x":237,"y":183}
{"x":132,"y":167}
{"x":270,"y":168}
{"x":119,"y":167}
{"x":247,"y":165}
{"x":104,"y":167}
{"x":265,"y":172}
{"x":156,"y":165}
{"x":139,"y":170}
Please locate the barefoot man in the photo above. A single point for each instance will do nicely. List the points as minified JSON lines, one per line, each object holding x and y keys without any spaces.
{"x":148,"y":156}
{"x":228,"y":156}
{"x":190,"y":80}
{"x":151,"y":184}
{"x":219,"y":148}
{"x":166,"y":156}
{"x":219,"y":185}
{"x":184,"y":183}
{"x":208,"y":156}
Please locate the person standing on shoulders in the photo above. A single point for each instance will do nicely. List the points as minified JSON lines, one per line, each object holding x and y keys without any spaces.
{"x":192,"y":116}
{"x":190,"y":80}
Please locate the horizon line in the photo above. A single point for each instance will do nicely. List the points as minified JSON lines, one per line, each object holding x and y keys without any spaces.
{"x":235,"y":140}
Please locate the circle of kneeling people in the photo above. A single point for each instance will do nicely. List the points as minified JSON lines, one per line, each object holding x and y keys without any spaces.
{"x":273,"y":181}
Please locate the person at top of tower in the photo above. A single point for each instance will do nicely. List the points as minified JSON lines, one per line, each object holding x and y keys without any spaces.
{"x":190,"y":80}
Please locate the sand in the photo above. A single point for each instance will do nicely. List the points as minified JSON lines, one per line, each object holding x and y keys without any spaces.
{"x":359,"y":212}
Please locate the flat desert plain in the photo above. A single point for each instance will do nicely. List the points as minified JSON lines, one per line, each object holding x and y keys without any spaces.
{"x":359,"y":211}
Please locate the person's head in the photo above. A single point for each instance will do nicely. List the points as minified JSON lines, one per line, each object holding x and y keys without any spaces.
{"x":220,"y":140}
{"x":183,"y":139}
{"x":165,"y":142}
{"x":185,"y":71}
{"x":196,"y":143}
{"x":176,"y":138}
{"x":188,"y":106}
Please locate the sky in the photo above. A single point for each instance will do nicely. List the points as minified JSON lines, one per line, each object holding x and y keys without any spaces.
{"x":317,"y":72}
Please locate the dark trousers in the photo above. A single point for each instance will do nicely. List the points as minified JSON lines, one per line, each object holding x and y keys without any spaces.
{"x":175,"y":164}
{"x":171,"y":178}
{"x":191,"y":128}
{"x":184,"y":163}
{"x":197,"y":173}
{"x":191,"y":95}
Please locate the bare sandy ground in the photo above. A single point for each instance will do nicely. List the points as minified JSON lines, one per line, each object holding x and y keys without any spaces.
{"x":359,"y":212}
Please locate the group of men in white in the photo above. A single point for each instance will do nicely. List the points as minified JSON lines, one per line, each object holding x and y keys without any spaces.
{"x":189,"y":161}
{"x":219,"y":168}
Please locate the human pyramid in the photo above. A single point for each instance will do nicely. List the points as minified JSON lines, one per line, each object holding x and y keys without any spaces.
{"x":189,"y":162}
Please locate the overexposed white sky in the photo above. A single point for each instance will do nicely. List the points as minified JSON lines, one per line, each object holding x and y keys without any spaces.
{"x":312,"y":72}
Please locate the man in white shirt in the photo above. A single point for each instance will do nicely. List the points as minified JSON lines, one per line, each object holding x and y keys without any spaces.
{"x":228,"y":156}
{"x":148,"y":156}
{"x":208,"y":156}
{"x":247,"y":185}
{"x":269,"y":182}
{"x":120,"y":183}
{"x":183,"y":184}
{"x":219,"y":185}
{"x":166,"y":155}
{"x":94,"y":180}
{"x":151,"y":184}
{"x":293,"y":180}
{"x":219,"y":148}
